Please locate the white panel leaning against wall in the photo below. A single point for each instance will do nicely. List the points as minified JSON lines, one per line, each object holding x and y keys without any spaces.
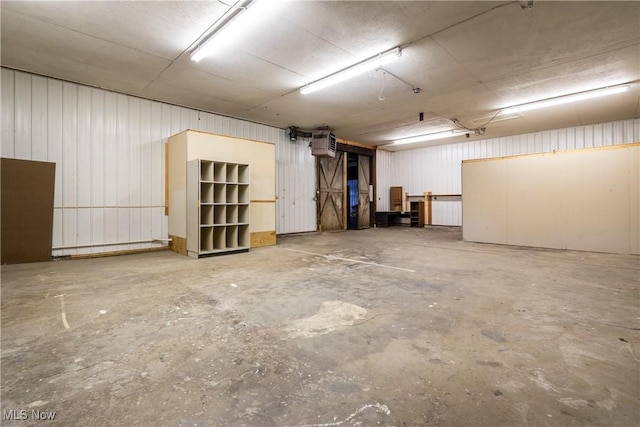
{"x":110,"y":160}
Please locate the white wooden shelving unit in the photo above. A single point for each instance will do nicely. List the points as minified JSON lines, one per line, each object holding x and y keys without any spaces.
{"x":217,"y":208}
{"x":220,"y":193}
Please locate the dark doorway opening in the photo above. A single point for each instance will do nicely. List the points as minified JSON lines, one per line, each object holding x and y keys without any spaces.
{"x":352,"y":190}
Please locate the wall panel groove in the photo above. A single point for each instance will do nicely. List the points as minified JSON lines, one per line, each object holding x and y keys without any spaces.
{"x":8,"y":114}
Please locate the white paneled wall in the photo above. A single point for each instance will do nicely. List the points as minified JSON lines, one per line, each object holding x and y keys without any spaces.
{"x":438,"y":169}
{"x":109,"y":155}
{"x":296,"y":205}
{"x":383,"y":177}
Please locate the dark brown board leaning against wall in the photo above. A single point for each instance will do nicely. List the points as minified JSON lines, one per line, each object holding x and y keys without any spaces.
{"x":26,"y":210}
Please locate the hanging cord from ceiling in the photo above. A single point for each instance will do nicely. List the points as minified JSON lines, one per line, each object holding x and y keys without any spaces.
{"x":478,"y":130}
{"x":380,"y":97}
{"x":413,"y":88}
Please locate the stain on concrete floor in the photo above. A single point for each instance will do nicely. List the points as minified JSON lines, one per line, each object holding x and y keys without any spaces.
{"x":391,"y":327}
{"x":332,"y":316}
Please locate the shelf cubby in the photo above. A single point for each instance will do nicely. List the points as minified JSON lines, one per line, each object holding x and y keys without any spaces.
{"x":232,"y":236}
{"x":220,"y":217}
{"x":220,"y":193}
{"x":243,"y":193}
{"x":220,"y":237}
{"x":206,"y":192}
{"x":232,"y":214}
{"x":206,"y":214}
{"x":206,"y":239}
{"x":206,"y":170}
{"x":243,"y":214}
{"x":243,"y":174}
{"x":232,"y":193}
{"x":244,"y":238}
{"x":232,"y":173}
{"x":220,"y":172}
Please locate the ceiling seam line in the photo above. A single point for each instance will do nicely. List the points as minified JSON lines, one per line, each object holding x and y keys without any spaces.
{"x":419,"y":39}
{"x":90,"y":35}
{"x":552,"y":64}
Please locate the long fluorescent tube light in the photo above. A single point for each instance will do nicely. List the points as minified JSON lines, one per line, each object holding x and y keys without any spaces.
{"x":428,"y":137}
{"x":565,"y":99}
{"x":237,"y":9}
{"x":353,"y":70}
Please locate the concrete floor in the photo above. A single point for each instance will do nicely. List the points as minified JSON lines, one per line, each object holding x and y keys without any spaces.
{"x":401,"y":327}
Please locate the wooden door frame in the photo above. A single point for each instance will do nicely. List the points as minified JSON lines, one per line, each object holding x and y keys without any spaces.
{"x":348,"y":147}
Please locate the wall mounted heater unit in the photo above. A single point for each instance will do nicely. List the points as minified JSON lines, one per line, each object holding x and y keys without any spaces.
{"x":324,"y":144}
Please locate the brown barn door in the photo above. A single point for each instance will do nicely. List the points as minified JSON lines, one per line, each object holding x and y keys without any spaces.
{"x":331,"y":193}
{"x":364,"y":199}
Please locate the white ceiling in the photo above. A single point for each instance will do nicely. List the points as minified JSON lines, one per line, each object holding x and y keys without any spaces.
{"x":468,"y":58}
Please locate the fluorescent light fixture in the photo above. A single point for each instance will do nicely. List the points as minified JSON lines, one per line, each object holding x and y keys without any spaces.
{"x":428,"y":137}
{"x":353,"y":70}
{"x":550,"y":102}
{"x":221,"y":25}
